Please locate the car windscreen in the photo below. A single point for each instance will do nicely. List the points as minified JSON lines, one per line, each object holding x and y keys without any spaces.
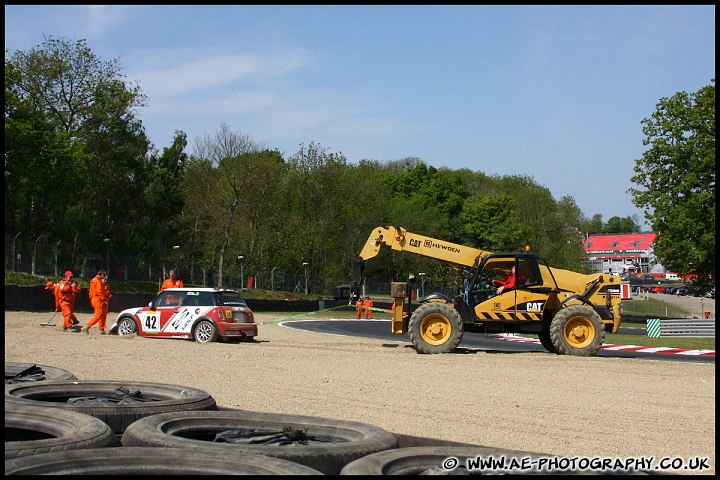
{"x":230,"y":298}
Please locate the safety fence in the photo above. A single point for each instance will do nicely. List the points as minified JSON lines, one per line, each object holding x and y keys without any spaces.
{"x":45,"y":260}
{"x":683,"y":327}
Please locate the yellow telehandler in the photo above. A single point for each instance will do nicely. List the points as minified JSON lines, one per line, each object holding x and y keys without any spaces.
{"x":570,"y":312}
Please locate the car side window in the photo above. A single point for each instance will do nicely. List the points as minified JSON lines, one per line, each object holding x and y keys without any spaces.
{"x":206,"y":299}
{"x":171,"y":299}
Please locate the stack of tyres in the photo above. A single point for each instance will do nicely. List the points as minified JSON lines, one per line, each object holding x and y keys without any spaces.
{"x":326,"y":445}
{"x":31,"y":430}
{"x":117,"y":403}
{"x":151,"y":461}
{"x":18,"y":372}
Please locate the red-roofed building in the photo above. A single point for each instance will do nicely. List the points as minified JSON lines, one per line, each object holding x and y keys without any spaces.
{"x":621,"y":253}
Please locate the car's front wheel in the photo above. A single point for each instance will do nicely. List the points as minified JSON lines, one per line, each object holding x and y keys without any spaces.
{"x":205,"y":332}
{"x":126,"y":326}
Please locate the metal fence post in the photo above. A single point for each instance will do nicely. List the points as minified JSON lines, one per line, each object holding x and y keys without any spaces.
{"x":34,"y":257}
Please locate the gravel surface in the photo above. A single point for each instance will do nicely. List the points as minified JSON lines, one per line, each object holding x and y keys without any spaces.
{"x":539,"y":402}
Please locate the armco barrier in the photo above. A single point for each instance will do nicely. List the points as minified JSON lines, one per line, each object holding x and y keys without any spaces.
{"x":36,"y":299}
{"x":682,"y":327}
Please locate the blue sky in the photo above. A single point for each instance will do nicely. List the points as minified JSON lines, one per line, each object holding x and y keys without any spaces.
{"x":556,"y":93}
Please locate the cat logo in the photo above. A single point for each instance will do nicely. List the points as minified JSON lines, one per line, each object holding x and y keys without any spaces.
{"x":497,"y":306}
{"x":535,"y":306}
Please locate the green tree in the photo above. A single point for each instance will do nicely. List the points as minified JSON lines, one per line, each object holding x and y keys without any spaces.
{"x":219,"y":191}
{"x":76,"y":162}
{"x":594,"y":225}
{"x":427,"y":187}
{"x":162,"y":199}
{"x":320,"y":200}
{"x":621,"y":225}
{"x":676,"y":179}
{"x":493,"y":221}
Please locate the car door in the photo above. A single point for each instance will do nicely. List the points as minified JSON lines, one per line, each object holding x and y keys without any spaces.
{"x":158,"y":321}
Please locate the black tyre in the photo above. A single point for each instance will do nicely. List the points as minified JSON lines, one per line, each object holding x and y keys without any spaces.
{"x":544,"y":337}
{"x":577,"y":330}
{"x":17,"y":372}
{"x":126,"y":326}
{"x":151,"y":461}
{"x":205,"y":332}
{"x":455,"y":460}
{"x":435,"y":328}
{"x":30,"y":430}
{"x":343,"y":441}
{"x":159,"y":398}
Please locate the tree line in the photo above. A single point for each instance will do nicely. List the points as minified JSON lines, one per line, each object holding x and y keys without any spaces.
{"x":80,"y":168}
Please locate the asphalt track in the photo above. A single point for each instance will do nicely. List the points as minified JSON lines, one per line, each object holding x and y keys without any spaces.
{"x":497,"y":343}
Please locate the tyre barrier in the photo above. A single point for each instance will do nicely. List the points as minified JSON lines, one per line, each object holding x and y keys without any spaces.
{"x":17,"y":372}
{"x":342,"y":441}
{"x":156,"y":398}
{"x":31,"y":430}
{"x":454,"y":460}
{"x":151,"y":461}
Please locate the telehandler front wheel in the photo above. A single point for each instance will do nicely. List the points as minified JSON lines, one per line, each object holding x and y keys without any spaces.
{"x":545,"y":340}
{"x":435,"y":328}
{"x":577,"y":330}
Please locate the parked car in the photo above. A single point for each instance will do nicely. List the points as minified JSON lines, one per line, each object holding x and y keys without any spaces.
{"x":710,"y":293}
{"x":688,"y":290}
{"x":201,"y":314}
{"x":657,"y":289}
{"x":670,"y":290}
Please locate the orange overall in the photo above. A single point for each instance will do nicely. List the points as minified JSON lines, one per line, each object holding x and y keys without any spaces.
{"x":172,"y":282}
{"x":359,"y":303}
{"x":55,"y":287}
{"x":368,"y":303}
{"x":100,"y":295}
{"x":68,"y":291}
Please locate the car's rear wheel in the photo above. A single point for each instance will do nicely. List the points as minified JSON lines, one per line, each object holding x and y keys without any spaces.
{"x":126,"y":326}
{"x":205,"y":332}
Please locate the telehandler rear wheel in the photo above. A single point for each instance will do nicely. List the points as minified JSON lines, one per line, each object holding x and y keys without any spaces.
{"x":435,"y":328}
{"x":577,"y":330}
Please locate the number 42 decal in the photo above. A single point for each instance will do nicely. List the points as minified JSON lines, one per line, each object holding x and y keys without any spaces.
{"x":151,"y":322}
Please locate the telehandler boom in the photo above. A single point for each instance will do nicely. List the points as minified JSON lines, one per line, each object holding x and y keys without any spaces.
{"x":570,"y":312}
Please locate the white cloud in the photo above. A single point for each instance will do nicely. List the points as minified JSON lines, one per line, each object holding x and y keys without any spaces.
{"x":103,"y":17}
{"x":166,"y":73}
